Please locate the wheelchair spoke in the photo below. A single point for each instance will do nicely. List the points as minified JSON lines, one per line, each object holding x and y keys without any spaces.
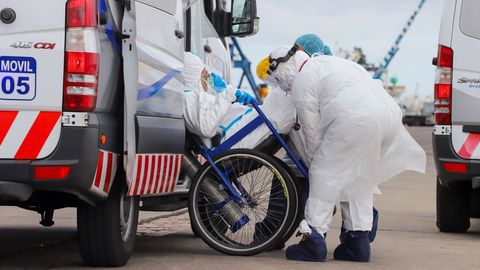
{"x":259,"y":184}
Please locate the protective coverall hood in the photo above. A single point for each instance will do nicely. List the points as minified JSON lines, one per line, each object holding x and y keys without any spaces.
{"x":285,"y":73}
{"x":192,"y":70}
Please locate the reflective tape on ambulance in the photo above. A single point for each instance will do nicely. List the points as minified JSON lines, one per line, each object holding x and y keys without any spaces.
{"x":467,"y":145}
{"x":28,"y":134}
{"x":155,"y":174}
{"x":107,"y":165}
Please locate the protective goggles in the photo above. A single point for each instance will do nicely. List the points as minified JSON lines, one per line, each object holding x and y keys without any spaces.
{"x":268,"y":65}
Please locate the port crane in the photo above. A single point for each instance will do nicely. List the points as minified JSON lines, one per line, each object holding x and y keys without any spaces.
{"x":396,"y":45}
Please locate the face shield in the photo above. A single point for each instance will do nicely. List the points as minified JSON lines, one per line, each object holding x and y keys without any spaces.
{"x":267,"y":67}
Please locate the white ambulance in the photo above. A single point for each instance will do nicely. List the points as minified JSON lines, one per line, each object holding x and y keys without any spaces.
{"x":456,"y":138}
{"x":90,"y":87}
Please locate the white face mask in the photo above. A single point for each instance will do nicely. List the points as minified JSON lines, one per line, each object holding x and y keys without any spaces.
{"x":283,"y":85}
{"x":279,"y":83}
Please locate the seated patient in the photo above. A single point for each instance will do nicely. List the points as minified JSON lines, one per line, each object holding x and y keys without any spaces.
{"x":210,"y":108}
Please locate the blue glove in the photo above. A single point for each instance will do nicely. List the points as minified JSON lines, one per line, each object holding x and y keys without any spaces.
{"x":243,"y":97}
{"x":218,"y":83}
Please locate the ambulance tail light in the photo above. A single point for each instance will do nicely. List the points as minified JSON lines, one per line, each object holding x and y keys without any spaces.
{"x":455,"y":167}
{"x":443,"y":86}
{"x":81,"y":56}
{"x":51,"y":172}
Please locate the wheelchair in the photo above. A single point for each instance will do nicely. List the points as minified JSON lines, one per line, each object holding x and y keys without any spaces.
{"x":246,"y":201}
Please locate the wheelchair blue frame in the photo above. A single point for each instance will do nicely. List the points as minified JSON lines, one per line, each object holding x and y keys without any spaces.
{"x":210,"y":154}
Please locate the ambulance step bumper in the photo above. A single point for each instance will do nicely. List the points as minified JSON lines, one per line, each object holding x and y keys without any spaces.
{"x":77,"y":149}
{"x":15,"y":192}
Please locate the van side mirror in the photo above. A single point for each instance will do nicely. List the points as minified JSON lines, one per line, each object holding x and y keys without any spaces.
{"x":244,"y":20}
{"x":241,"y":21}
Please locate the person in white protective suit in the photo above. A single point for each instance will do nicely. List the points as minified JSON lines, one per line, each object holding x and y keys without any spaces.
{"x":313,"y":45}
{"x":209,"y":107}
{"x":352,"y":139}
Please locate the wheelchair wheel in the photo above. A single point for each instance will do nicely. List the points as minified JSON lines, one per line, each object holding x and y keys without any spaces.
{"x":300,"y":187}
{"x":269,"y":208}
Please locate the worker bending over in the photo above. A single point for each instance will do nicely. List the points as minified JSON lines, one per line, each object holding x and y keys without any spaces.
{"x":351,"y":138}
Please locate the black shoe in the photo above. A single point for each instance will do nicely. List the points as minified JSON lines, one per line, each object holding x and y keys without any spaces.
{"x":373,"y":232}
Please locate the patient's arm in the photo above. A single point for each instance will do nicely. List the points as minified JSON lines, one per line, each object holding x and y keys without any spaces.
{"x":204,"y":112}
{"x":211,"y":111}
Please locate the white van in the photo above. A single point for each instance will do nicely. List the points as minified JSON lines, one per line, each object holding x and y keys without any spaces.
{"x":89,"y":87}
{"x":456,"y":138}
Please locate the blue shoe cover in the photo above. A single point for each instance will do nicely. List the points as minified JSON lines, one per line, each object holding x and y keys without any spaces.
{"x":356,"y":247}
{"x":371,"y":235}
{"x":313,"y":248}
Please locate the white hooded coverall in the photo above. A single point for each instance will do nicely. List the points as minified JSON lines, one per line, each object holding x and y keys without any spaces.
{"x":207,"y":113}
{"x":351,"y":137}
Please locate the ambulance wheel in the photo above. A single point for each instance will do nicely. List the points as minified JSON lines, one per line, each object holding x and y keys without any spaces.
{"x":261,"y":222}
{"x":453,"y":207}
{"x":107,"y":230}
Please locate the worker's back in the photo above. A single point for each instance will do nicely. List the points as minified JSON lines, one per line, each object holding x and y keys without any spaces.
{"x":340,"y":85}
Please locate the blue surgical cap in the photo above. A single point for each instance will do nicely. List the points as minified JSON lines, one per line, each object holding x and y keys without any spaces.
{"x":327,"y":50}
{"x":312,"y":44}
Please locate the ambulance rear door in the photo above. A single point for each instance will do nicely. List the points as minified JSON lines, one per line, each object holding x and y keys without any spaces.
{"x":153,"y":48}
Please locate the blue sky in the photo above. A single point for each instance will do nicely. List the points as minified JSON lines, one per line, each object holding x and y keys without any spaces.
{"x":370,"y":24}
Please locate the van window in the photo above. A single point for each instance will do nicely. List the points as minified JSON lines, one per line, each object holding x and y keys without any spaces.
{"x":210,"y":6}
{"x":469,"y":19}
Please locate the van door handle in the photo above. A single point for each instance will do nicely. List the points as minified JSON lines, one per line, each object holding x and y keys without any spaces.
{"x":207,"y":48}
{"x":179,"y":34}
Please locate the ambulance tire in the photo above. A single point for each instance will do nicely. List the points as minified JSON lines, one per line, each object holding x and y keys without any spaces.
{"x":453,"y":207}
{"x":106,"y":239}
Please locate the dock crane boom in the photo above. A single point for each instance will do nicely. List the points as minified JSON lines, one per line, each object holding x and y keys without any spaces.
{"x":240,"y":60}
{"x":395,"y":48}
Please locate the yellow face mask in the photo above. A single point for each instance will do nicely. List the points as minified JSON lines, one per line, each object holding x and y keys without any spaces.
{"x":262,"y":68}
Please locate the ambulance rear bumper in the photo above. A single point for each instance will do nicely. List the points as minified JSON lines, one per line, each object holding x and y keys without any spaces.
{"x":444,"y":153}
{"x":77,"y":148}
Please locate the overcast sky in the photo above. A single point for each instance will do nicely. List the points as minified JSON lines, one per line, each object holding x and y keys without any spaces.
{"x":370,"y":24}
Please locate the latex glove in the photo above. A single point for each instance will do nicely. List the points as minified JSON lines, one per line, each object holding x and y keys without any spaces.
{"x":243,"y":97}
{"x":218,"y":83}
{"x":304,"y":228}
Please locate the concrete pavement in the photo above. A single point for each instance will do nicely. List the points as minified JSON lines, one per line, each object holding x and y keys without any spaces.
{"x":407,"y":238}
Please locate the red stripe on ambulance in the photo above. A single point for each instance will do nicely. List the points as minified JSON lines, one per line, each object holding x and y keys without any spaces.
{"x":106,"y":169}
{"x":155,"y":174}
{"x":138,"y":175}
{"x":25,"y":134}
{"x":161,"y":170}
{"x":165,"y":173}
{"x":37,"y":135}
{"x":108,"y":175}
{"x":98,"y":174}
{"x":6,"y":123}
{"x":469,"y":146}
{"x":176,"y":172}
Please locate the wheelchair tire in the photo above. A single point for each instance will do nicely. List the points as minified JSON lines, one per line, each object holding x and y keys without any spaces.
{"x":272,"y":225}
{"x":299,"y":212}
